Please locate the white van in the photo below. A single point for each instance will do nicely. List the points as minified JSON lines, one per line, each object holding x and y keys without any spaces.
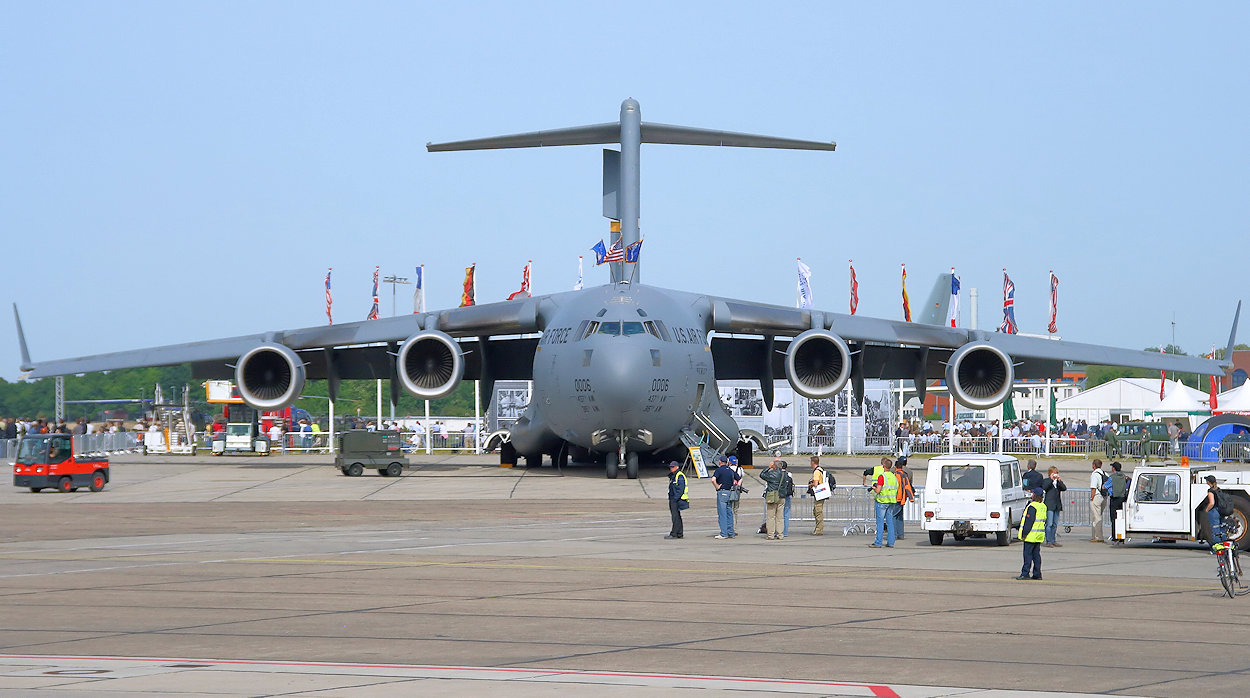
{"x":973,"y":494}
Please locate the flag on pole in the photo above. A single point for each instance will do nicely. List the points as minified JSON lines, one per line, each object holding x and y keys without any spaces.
{"x":952,"y":311}
{"x":854,"y":288}
{"x":632,"y":252}
{"x":418,"y":294}
{"x":906,"y":304}
{"x":805,"y":285}
{"x":1054,"y":303}
{"x":329,"y":298}
{"x":1163,"y":376}
{"x":601,"y":252}
{"x":1214,"y":403}
{"x":1009,"y":306}
{"x":373,"y":312}
{"x":578,"y":286}
{"x":469,"y":290}
{"x":525,"y":283}
{"x":615,"y":253}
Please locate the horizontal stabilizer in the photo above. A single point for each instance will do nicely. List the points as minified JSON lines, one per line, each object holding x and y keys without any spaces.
{"x":1228,"y":353}
{"x":21,"y":340}
{"x":611,"y":133}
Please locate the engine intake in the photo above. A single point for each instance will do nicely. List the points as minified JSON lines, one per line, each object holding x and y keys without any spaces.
{"x":980,"y":375}
{"x":818,"y":364}
{"x":430,"y":364}
{"x":270,"y":377}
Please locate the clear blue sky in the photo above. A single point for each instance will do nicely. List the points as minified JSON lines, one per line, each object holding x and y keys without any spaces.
{"x":183,"y":171}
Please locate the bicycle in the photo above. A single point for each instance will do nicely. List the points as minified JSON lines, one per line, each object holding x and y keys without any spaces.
{"x":1228,"y":568}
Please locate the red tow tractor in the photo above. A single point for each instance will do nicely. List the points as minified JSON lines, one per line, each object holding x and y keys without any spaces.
{"x":45,"y":461}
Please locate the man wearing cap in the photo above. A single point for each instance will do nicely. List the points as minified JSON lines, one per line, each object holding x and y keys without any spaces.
{"x":818,"y":506}
{"x":1033,"y":532}
{"x":739,"y":476}
{"x":885,"y":490}
{"x":723,"y":479}
{"x":678,"y":499}
{"x":772,"y":478}
{"x":906,"y":493}
{"x":1119,"y":493}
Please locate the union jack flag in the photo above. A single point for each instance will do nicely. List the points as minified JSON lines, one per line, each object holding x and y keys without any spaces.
{"x":373,"y":313}
{"x":1009,"y":306}
{"x":1054,"y":303}
{"x":329,"y":298}
{"x":854,"y":290}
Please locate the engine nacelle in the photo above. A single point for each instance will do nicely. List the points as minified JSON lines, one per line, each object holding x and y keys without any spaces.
{"x":270,"y":377}
{"x":818,"y":364}
{"x":430,"y":364}
{"x":980,"y":375}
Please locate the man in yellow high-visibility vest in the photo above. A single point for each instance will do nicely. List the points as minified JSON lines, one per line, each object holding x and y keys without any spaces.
{"x":1033,"y":532}
{"x":886,"y":491}
{"x":678,"y":499}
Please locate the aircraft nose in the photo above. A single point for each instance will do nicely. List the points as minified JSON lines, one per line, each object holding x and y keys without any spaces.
{"x":622,"y":382}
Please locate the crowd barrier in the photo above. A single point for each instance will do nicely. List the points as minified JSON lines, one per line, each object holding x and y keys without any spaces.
{"x":108,"y":442}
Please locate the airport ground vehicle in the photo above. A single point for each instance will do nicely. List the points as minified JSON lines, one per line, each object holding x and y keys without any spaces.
{"x":240,"y":438}
{"x":1163,"y":502}
{"x":973,"y":495}
{"x":47,"y":461}
{"x":359,"y":449}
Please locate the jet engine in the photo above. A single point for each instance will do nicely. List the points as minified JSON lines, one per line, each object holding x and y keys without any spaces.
{"x":980,"y":375}
{"x":430,"y":364}
{"x":818,"y":364}
{"x":270,"y":377}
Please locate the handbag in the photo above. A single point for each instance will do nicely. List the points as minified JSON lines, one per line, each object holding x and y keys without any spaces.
{"x":733,"y":495}
{"x":772,"y":496}
{"x":683,"y":504}
{"x":821,"y":492}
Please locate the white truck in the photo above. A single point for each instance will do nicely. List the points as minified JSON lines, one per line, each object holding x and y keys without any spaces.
{"x":1164,"y":501}
{"x":973,"y":495}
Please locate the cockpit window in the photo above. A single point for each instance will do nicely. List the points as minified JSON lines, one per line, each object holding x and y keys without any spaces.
{"x":610,"y":328}
{"x":642,"y":312}
{"x":632,"y":328}
{"x":591,"y":329}
{"x":651,"y":329}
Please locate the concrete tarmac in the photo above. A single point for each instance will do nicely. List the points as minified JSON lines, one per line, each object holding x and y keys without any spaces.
{"x":186,"y":572}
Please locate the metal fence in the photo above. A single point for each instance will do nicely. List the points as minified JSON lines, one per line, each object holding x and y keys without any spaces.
{"x":119,"y":442}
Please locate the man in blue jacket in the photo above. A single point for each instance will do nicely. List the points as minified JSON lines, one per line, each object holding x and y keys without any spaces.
{"x":678,"y":499}
{"x":724,"y":479}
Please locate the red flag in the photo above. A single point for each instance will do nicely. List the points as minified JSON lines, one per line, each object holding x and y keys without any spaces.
{"x":525,"y":283}
{"x":1214,"y":404}
{"x":854,"y":289}
{"x":469,"y":291}
{"x":1163,"y":379}
{"x":1054,"y":303}
{"x":906,"y":305}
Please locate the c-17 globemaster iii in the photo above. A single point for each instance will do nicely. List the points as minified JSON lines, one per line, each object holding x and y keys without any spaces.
{"x":625,"y":370}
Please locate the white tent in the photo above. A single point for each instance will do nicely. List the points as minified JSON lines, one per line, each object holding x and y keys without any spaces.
{"x":1235,"y":400}
{"x":1121,"y":399}
{"x":1181,"y":402}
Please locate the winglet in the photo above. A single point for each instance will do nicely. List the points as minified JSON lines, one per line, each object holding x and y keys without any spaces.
{"x":1232,"y":339}
{"x":21,"y":341}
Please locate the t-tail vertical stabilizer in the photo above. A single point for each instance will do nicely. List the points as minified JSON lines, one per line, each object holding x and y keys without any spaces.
{"x":622,"y":170}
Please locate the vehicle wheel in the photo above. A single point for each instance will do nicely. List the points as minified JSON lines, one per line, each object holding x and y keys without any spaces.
{"x":958,"y":536}
{"x":382,"y":472}
{"x":612,"y":464}
{"x":631,"y":465}
{"x":935,"y":537}
{"x":66,"y":485}
{"x":97,"y":481}
{"x":1226,"y":577}
{"x":36,"y":490}
{"x":355,"y":470}
{"x":1002,"y":537}
{"x":394,"y":470}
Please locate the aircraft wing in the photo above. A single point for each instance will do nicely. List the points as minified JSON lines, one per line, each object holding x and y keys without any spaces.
{"x":746,"y":317}
{"x":212,"y":358}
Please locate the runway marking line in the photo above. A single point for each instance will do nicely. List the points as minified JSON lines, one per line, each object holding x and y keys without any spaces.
{"x":718,"y":571}
{"x":879,"y":691}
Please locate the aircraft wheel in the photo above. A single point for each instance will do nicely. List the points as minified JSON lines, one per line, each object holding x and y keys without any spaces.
{"x":355,"y":469}
{"x":631,"y":465}
{"x":561,"y":459}
{"x":394,"y":470}
{"x":66,"y":485}
{"x":97,"y":481}
{"x":612,"y":462}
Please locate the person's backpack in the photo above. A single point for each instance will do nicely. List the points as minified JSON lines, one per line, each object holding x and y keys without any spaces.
{"x":1119,"y":485}
{"x":1223,"y":503}
{"x":1105,"y":488}
{"x":787,"y":486}
{"x":829,"y":478}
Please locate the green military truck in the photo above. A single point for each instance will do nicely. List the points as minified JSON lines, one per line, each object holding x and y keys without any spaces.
{"x":381,"y":450}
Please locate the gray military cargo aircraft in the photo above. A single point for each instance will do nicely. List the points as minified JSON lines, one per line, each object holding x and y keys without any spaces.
{"x":625,"y":370}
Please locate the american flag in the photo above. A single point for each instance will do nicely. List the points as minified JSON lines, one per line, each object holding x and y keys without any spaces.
{"x":854,"y":289}
{"x":1054,"y":303}
{"x":1009,"y":306}
{"x":329,"y":298}
{"x":615,"y":253}
{"x":373,"y":313}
